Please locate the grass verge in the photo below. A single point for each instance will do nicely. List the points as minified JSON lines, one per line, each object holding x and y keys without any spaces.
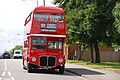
{"x":112,"y":66}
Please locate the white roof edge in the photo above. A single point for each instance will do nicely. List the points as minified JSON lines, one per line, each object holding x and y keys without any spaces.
{"x":49,"y":35}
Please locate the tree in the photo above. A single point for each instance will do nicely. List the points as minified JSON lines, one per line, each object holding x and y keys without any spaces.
{"x":17,"y":47}
{"x":116,"y":13}
{"x":89,"y":22}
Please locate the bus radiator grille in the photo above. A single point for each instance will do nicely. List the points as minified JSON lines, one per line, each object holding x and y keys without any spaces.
{"x":43,"y":61}
{"x":47,"y":61}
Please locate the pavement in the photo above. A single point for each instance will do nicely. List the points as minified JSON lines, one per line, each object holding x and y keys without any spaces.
{"x":90,"y":73}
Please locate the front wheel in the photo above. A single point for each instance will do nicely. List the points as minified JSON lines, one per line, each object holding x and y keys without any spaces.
{"x":61,"y":69}
{"x":29,"y":68}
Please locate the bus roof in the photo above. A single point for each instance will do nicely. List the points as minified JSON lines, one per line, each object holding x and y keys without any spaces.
{"x":48,"y":9}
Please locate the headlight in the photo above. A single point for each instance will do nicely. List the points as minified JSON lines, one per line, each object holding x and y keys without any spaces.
{"x":60,"y":60}
{"x":33,"y":59}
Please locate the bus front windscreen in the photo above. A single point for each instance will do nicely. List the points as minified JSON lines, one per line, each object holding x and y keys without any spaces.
{"x":38,"y":43}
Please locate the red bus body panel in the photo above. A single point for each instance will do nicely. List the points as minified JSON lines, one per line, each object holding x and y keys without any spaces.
{"x":55,"y":33}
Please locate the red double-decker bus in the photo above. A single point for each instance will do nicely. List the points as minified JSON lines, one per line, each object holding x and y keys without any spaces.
{"x":44,"y":39}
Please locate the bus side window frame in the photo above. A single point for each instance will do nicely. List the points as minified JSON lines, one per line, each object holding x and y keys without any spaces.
{"x":28,"y":19}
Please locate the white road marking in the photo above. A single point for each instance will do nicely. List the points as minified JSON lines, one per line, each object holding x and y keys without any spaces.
{"x":5,"y":66}
{"x":3,"y":74}
{"x":1,"y":78}
{"x":9,"y":73}
{"x":12,"y":78}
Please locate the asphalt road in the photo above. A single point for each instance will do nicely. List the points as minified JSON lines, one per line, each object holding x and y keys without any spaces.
{"x":11,"y":69}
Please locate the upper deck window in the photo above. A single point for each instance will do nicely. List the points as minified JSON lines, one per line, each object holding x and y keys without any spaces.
{"x":41,"y":17}
{"x":56,"y":18}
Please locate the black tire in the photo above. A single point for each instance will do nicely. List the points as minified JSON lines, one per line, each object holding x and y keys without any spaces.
{"x":29,"y":68}
{"x":61,"y":69}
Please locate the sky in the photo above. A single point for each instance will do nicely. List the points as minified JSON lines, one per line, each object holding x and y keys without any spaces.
{"x":12,"y":17}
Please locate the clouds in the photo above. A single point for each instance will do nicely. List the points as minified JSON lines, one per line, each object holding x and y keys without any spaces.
{"x":10,"y":38}
{"x":12,"y":17}
{"x":3,"y":34}
{"x":14,"y":12}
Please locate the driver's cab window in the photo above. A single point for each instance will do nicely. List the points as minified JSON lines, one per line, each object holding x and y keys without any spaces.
{"x":38,"y":43}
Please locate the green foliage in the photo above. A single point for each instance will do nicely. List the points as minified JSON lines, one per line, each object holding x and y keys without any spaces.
{"x":116,"y":13}
{"x":17,"y":47}
{"x":117,"y":16}
{"x":89,"y":20}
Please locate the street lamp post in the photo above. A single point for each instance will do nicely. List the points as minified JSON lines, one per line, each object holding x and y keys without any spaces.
{"x":44,"y":2}
{"x":37,"y":2}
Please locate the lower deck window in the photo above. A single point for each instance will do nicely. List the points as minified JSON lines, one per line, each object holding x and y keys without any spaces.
{"x":41,"y":43}
{"x":54,"y":45}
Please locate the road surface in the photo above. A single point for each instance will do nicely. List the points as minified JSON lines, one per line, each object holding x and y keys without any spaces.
{"x":11,"y":69}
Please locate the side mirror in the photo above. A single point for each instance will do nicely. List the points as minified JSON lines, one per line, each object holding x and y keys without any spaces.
{"x":25,"y":44}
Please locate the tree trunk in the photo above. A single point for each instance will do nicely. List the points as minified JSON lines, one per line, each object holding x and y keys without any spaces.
{"x":80,"y":57}
{"x":79,"y":53}
{"x":97,"y":59}
{"x":92,"y":58}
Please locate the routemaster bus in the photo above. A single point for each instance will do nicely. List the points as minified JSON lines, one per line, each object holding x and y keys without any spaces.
{"x":44,"y":39}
